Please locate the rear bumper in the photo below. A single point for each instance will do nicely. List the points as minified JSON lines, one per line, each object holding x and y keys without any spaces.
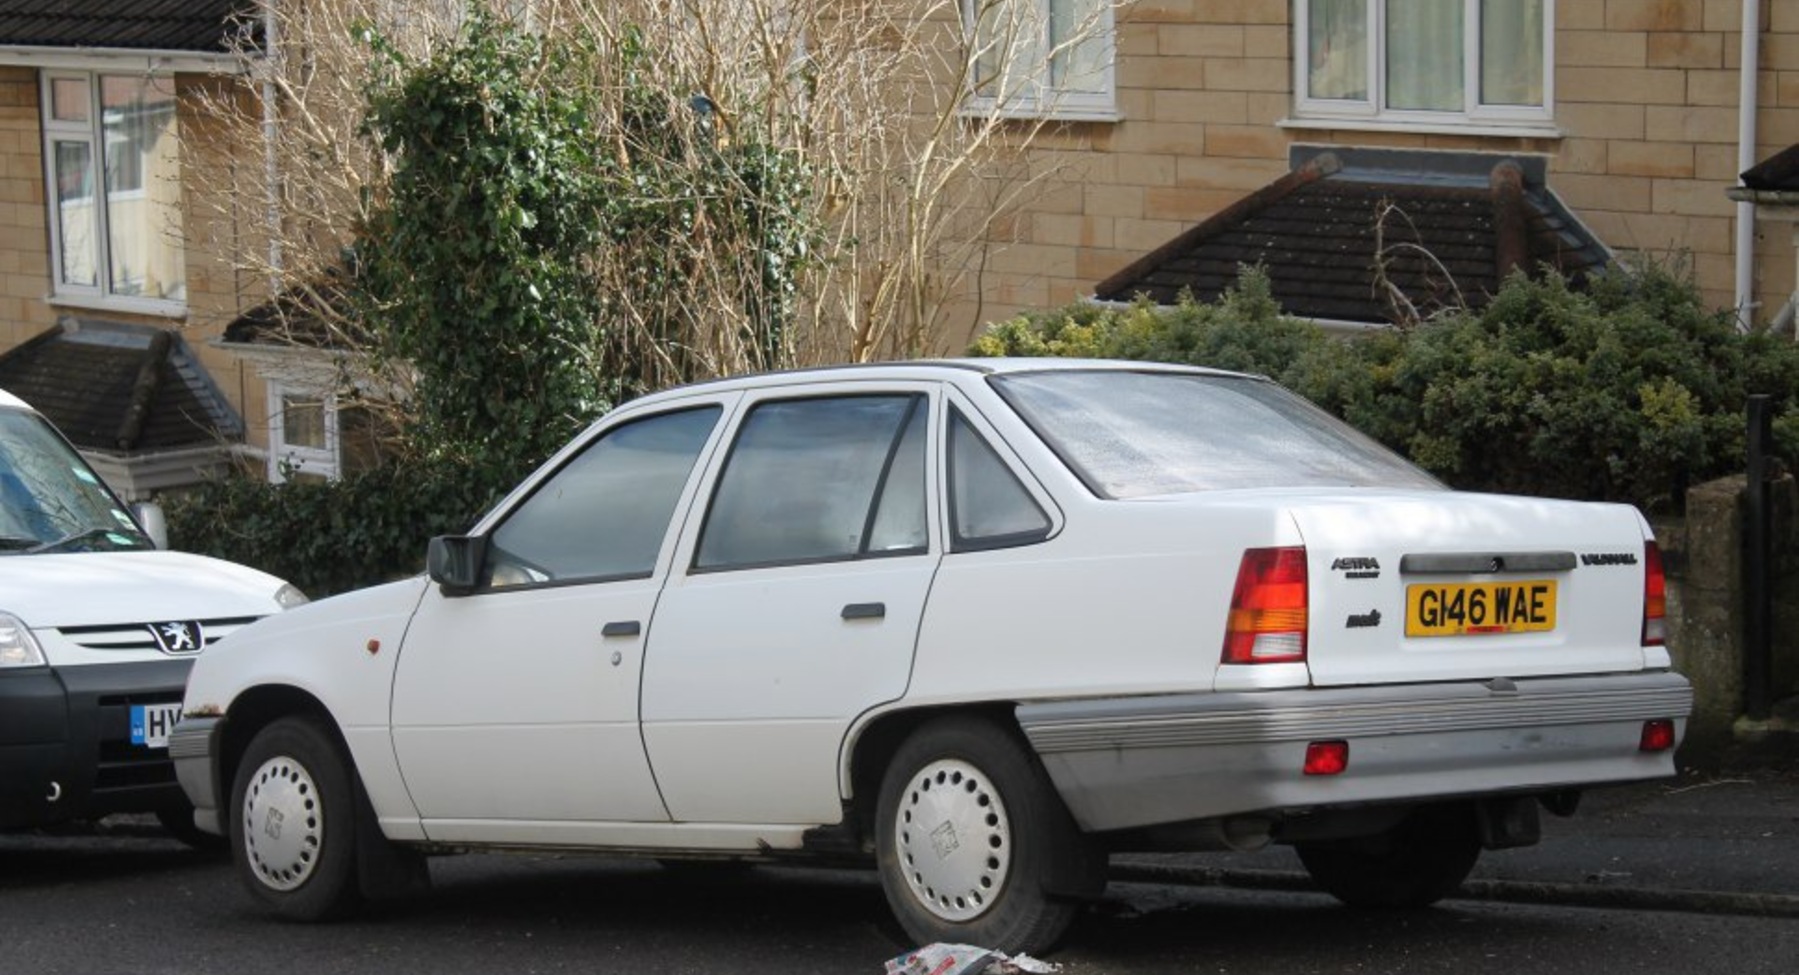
{"x":65,"y":742}
{"x":1140,"y":761}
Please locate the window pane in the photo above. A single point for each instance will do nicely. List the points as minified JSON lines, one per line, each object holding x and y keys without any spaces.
{"x":800,"y":483}
{"x":987,"y":503}
{"x":69,"y":99}
{"x":900,"y":520}
{"x":607,"y":512}
{"x":75,"y":216}
{"x":1077,"y":46}
{"x":303,"y":421}
{"x":1424,"y":55}
{"x":143,"y":186}
{"x":1002,"y":39}
{"x":1337,"y":41}
{"x":1511,"y":52}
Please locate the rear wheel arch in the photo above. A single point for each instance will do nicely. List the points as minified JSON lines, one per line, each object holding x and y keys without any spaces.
{"x":876,"y":743}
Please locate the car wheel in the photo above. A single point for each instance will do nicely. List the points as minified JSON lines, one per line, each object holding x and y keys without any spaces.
{"x":971,"y":839}
{"x":1416,"y":863}
{"x":293,"y":822}
{"x":178,"y":822}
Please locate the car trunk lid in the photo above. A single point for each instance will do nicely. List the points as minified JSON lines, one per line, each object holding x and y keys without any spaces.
{"x":1444,"y":586}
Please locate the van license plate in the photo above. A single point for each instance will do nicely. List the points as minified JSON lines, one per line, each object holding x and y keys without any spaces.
{"x":1479,"y":608}
{"x":151,"y":724}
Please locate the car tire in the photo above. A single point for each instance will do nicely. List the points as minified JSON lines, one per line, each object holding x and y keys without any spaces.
{"x":293,"y":822}
{"x":178,"y":822}
{"x":972,"y":841}
{"x":1415,"y":864}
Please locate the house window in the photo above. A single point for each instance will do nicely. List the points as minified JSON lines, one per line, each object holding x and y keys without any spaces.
{"x":1425,"y":61}
{"x":303,"y":433}
{"x":1041,"y":58}
{"x":112,"y":162}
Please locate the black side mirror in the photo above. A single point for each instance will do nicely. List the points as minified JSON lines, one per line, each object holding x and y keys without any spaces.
{"x":454,"y":562}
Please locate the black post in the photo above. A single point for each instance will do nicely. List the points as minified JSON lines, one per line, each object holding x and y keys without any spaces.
{"x":1758,"y":605}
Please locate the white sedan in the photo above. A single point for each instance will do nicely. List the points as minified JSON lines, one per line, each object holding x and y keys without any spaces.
{"x":978,"y":622}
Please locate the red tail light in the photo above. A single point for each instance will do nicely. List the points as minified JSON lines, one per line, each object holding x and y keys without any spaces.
{"x":1658,"y":736}
{"x":1268,"y":608}
{"x":1655,"y":597}
{"x":1326,"y":758}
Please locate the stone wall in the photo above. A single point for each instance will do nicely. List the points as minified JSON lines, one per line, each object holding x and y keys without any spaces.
{"x":1704,"y":557}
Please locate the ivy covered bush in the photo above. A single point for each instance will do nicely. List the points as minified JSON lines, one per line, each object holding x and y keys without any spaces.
{"x":559,"y":228}
{"x":1628,"y":390}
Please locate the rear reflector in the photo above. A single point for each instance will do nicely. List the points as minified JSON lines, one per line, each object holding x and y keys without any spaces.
{"x":1327,"y":757}
{"x":1655,"y":597}
{"x":1658,"y":736}
{"x":1268,"y":608}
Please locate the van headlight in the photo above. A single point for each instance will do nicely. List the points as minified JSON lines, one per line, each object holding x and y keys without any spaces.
{"x":289,"y":596}
{"x":18,"y":648}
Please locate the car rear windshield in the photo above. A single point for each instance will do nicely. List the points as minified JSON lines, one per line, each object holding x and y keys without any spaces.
{"x":1137,"y":434}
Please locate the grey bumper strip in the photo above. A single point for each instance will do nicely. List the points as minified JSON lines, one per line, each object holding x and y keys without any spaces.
{"x":1297,"y":715}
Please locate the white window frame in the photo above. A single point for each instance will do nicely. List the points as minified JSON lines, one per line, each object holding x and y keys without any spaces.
{"x":1498,"y":118}
{"x":91,"y":132}
{"x":285,"y":458}
{"x":1030,"y":96}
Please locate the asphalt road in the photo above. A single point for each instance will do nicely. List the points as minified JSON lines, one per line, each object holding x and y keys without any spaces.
{"x":136,"y":905}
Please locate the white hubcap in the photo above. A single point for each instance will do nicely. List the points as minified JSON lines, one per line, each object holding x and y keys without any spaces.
{"x":953,"y":839}
{"x":284,"y":823}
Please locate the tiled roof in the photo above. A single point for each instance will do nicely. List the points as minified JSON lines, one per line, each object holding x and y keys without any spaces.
{"x":202,"y":26}
{"x":319,"y":314}
{"x":1447,"y":223}
{"x":1777,"y":172}
{"x":119,"y":388}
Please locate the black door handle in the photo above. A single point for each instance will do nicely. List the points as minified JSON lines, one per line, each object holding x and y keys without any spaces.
{"x":864,"y":611}
{"x":622,"y":628}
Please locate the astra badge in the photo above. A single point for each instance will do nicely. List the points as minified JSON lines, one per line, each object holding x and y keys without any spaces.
{"x":180,"y":636}
{"x":1357,"y":567}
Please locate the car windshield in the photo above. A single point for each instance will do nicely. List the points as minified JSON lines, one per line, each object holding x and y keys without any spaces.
{"x":1137,"y":434}
{"x":50,"y":500}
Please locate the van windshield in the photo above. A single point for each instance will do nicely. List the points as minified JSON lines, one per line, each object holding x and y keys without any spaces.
{"x":50,"y":500}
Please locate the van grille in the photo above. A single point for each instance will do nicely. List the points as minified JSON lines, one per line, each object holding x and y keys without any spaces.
{"x":138,"y":636}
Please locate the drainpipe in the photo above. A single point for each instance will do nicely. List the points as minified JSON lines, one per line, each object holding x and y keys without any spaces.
{"x":1751,"y":67}
{"x":271,"y":63}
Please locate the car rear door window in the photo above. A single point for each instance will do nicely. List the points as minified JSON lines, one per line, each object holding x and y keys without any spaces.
{"x":605,"y":514}
{"x":989,"y":506}
{"x":822,"y":479}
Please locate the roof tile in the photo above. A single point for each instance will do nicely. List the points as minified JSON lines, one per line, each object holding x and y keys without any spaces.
{"x":202,"y":26}
{"x":1437,"y":218}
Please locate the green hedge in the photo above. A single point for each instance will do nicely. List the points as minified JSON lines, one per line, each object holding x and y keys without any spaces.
{"x":331,"y":537}
{"x":1628,"y":390}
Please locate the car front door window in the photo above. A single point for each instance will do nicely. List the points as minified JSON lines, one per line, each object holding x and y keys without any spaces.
{"x":605,"y":514}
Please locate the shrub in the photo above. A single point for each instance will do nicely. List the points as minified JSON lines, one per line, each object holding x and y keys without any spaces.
{"x":329,"y":537}
{"x":1243,"y":331}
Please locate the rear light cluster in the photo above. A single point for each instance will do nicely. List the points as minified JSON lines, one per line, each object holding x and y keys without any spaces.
{"x":1658,"y":735}
{"x":1655,"y":597}
{"x":1268,"y":608}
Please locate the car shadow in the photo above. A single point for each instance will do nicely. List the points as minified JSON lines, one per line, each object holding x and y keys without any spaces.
{"x":40,"y":858}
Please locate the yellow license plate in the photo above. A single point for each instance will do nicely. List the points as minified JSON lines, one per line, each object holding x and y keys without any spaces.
{"x":1474,"y":608}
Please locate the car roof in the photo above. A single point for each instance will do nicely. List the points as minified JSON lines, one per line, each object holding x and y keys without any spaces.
{"x":924,"y":369}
